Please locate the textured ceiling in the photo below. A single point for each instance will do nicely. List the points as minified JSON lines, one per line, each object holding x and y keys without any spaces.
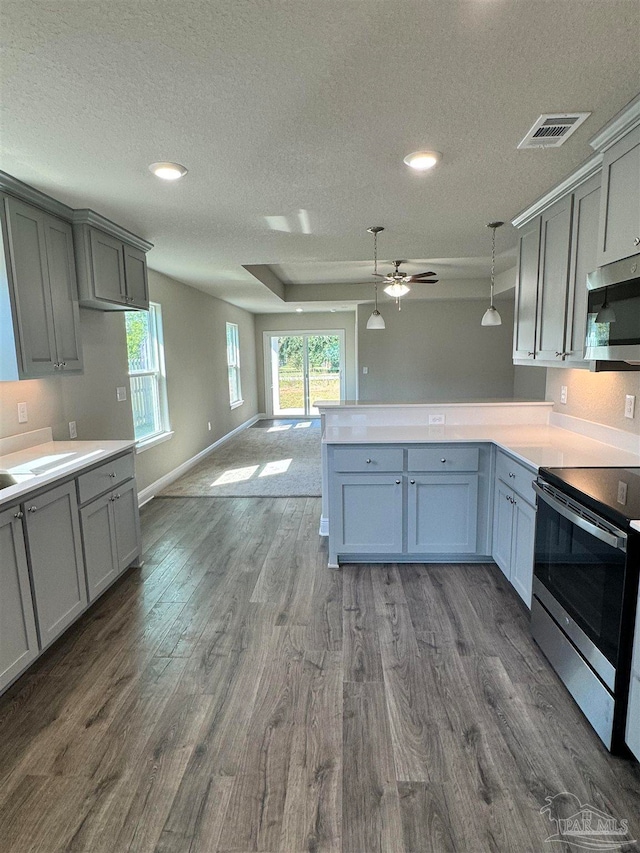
{"x":293,"y":118}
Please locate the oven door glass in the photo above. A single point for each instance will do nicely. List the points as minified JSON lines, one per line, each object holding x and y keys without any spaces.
{"x":584,"y":575}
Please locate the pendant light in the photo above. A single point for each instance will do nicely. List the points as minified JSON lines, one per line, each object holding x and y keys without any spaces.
{"x":491,"y":316}
{"x":606,"y":314}
{"x":376,"y":320}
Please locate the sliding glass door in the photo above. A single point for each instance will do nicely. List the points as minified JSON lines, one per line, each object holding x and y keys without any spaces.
{"x":302,"y":368}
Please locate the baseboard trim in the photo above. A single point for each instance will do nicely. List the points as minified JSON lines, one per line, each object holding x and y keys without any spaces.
{"x":145,"y":495}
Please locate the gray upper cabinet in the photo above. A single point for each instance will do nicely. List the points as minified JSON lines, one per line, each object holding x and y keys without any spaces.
{"x":524,"y":339}
{"x":42,"y":292}
{"x":584,"y":241}
{"x":619,"y":231}
{"x":55,"y":555}
{"x":111,"y":264}
{"x":18,"y":639}
{"x":553,"y":280}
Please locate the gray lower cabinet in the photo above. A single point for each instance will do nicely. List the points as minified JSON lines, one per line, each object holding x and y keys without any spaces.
{"x":514,"y":519}
{"x":442,"y":513}
{"x":110,"y":535}
{"x":619,"y":232}
{"x":632,"y":735}
{"x":18,"y":638}
{"x":368,"y":513}
{"x":427,"y":502}
{"x":42,"y":292}
{"x":55,"y":556}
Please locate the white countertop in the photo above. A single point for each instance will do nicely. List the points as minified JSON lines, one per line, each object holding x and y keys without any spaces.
{"x":538,"y":446}
{"x":44,"y":464}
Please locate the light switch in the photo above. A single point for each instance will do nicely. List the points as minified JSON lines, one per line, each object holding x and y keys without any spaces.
{"x":629,"y":406}
{"x":22,"y":413}
{"x":121,"y":393}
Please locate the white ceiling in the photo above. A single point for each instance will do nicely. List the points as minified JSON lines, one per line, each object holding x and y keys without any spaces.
{"x":293,"y":118}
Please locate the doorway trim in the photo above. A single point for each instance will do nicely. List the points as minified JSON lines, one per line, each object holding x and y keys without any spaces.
{"x":266,"y":356}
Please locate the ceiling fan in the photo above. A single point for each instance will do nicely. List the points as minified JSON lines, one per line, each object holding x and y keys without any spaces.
{"x":396,"y":282}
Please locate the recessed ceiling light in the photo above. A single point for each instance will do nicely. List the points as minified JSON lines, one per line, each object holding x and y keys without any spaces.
{"x":422,"y":160}
{"x":168,"y":171}
{"x":299,"y":310}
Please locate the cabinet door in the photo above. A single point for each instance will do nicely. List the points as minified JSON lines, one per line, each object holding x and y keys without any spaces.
{"x":100,"y":548}
{"x":632,"y":735}
{"x":524,"y":523}
{"x":502,"y":527}
{"x":57,"y":568}
{"x":553,"y":279}
{"x":524,"y":340}
{"x":64,"y":293}
{"x":135,"y":271}
{"x":28,"y":259}
{"x":18,"y":639}
{"x":107,"y":267}
{"x":368,"y":518}
{"x":584,"y":241}
{"x":127,"y":524}
{"x":442,"y":514}
{"x":620,"y":200}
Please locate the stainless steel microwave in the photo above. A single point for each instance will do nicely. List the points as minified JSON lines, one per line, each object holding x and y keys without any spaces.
{"x":613,"y":313}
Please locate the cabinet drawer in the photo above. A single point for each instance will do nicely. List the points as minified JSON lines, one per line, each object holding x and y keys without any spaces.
{"x":101,"y":479}
{"x":443,"y":458}
{"x":367,"y":459}
{"x":516,"y":476}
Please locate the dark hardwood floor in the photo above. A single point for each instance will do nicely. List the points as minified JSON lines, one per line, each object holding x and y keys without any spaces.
{"x":236,"y":695}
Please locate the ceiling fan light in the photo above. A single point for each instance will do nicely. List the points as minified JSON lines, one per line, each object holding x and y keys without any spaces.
{"x":421,"y":161}
{"x":491,"y":317}
{"x":376,"y":320}
{"x":397,"y":289}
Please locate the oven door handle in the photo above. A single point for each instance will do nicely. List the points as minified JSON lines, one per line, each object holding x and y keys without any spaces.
{"x":617,"y":540}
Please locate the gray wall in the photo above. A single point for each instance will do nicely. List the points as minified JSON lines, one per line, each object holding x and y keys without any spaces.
{"x":436,"y":350}
{"x":197,"y":382}
{"x":301,"y":322}
{"x":195,"y":355}
{"x":595,"y":397}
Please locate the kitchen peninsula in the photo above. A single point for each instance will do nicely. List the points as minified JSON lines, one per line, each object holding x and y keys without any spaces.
{"x":449,"y":482}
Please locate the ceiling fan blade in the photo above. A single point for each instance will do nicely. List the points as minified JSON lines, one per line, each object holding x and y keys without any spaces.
{"x":425,"y":281}
{"x":421,"y":274}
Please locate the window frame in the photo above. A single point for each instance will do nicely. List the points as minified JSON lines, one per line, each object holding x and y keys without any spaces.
{"x":233,"y":363}
{"x":158,"y":372}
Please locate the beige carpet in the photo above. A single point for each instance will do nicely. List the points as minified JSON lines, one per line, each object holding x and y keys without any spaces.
{"x":275,"y":461}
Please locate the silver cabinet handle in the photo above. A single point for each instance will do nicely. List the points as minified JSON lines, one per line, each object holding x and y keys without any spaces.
{"x":112,"y":498}
{"x":511,"y":474}
{"x":56,"y":365}
{"x":443,"y":460}
{"x":368,"y":461}
{"x":559,"y":354}
{"x":398,"y":482}
{"x":33,"y":508}
{"x":636,"y":242}
{"x":18,"y":514}
{"x":63,"y":364}
{"x":118,"y":497}
{"x":413,"y":482}
{"x":112,"y":475}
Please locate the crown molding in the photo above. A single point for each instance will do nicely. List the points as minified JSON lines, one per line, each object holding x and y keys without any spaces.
{"x":18,"y":189}
{"x":587,"y":170}
{"x":620,"y":124}
{"x":85,"y":216}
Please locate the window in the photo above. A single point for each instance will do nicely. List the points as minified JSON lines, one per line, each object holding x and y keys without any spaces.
{"x":145,"y":350}
{"x":233,"y":364}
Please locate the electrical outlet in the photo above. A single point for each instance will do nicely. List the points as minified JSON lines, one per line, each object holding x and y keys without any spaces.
{"x":365,"y":370}
{"x":622,"y":492}
{"x":563,"y":394}
{"x":436,"y":419}
{"x":22,"y":413}
{"x":121,"y":393}
{"x":73,"y":432}
{"x":209,"y":425}
{"x":629,"y":406}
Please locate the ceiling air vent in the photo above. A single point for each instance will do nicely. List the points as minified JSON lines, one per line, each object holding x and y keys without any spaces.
{"x":552,"y":129}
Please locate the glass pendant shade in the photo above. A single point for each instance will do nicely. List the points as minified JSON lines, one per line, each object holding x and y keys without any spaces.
{"x":376,"y":320}
{"x":397,"y":289}
{"x":491,"y":317}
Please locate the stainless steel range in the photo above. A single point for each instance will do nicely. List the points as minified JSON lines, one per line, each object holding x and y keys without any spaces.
{"x":585,"y":587}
